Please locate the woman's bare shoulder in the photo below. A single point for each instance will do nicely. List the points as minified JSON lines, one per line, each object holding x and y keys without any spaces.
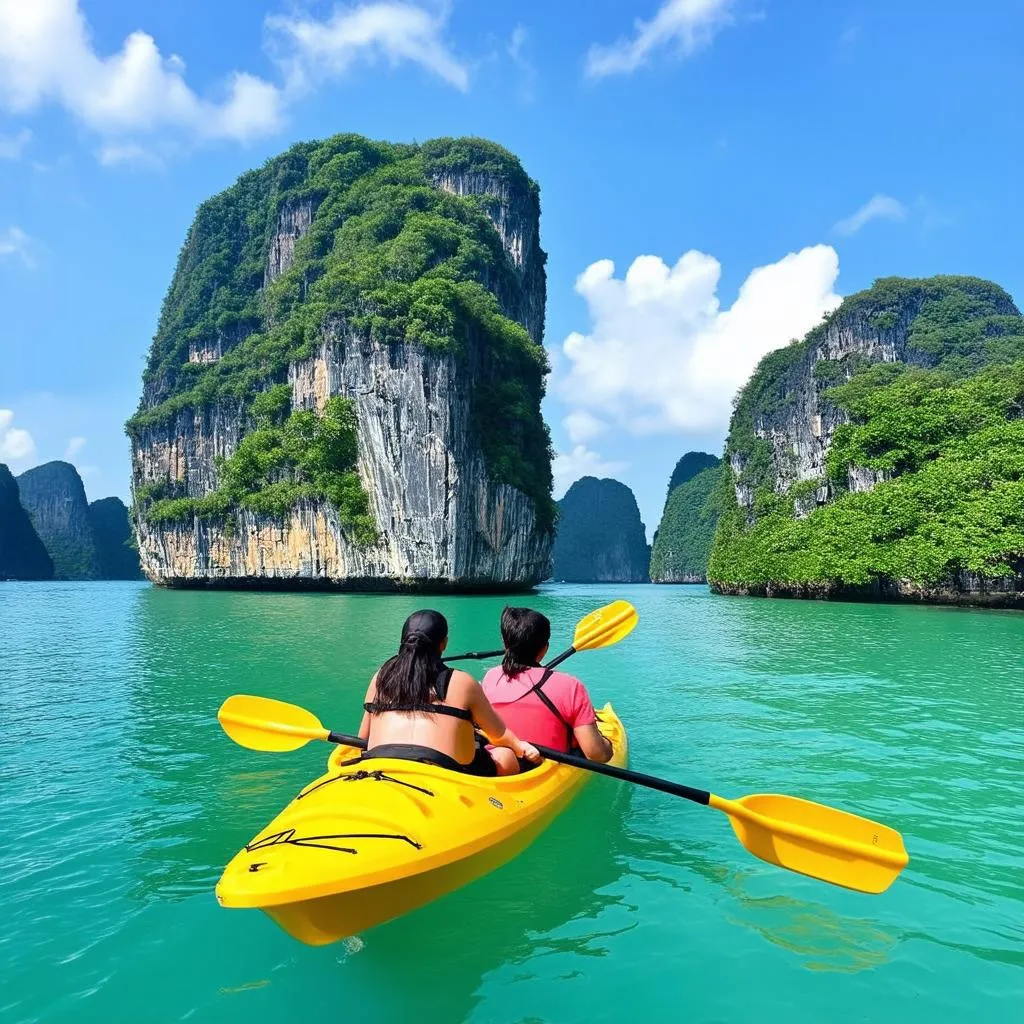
{"x":462,"y":684}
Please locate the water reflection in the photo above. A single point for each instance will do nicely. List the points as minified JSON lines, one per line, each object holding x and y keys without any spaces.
{"x":430,"y":963}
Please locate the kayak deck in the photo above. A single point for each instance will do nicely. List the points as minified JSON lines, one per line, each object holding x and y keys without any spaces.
{"x":368,"y":842}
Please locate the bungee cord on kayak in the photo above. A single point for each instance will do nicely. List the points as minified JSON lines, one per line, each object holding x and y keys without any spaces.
{"x":316,"y":841}
{"x":377,"y":774}
{"x":475,"y":823}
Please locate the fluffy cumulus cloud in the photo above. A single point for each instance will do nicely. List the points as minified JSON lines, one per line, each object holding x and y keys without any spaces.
{"x":311,"y":49}
{"x":138,"y":101}
{"x":878,"y":207}
{"x":680,"y":25}
{"x":661,"y":353}
{"x":581,"y":461}
{"x":46,"y":55}
{"x":15,"y":444}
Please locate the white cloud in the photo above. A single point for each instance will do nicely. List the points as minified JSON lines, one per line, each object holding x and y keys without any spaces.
{"x":12,"y":146}
{"x":527,"y":72}
{"x":879,"y":207}
{"x":112,"y":154}
{"x":15,"y":443}
{"x":662,"y":355}
{"x":687,"y":25}
{"x":75,"y":445}
{"x":14,"y":242}
{"x":310,"y":49}
{"x":128,"y":97}
{"x":581,"y":461}
{"x":583,"y":426}
{"x":47,"y":55}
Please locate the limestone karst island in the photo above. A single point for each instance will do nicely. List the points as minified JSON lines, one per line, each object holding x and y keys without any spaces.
{"x":344,"y":388}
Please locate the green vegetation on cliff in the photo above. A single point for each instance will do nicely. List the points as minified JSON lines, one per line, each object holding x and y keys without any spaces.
{"x":287,"y":457}
{"x":687,"y":528}
{"x":688,"y":467}
{"x":388,"y":256}
{"x":600,"y":538}
{"x":942,"y":427}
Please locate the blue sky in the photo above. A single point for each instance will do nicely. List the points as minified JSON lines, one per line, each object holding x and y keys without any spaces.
{"x":825,"y":143}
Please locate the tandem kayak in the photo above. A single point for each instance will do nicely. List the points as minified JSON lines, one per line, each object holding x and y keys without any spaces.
{"x":370,"y":841}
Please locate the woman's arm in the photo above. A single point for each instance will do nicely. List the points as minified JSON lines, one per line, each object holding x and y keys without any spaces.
{"x":371,"y":694}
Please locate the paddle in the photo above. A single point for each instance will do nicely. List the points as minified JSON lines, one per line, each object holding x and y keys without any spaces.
{"x":808,"y":838}
{"x":473,"y":656}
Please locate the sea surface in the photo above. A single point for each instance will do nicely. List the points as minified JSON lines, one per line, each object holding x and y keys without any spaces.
{"x":121,"y":800}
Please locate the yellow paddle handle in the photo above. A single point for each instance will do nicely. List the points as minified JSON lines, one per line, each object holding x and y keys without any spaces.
{"x":281,"y":728}
{"x":734,"y":809}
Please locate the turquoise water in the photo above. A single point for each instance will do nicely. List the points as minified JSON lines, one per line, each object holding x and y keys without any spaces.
{"x":121,"y":800}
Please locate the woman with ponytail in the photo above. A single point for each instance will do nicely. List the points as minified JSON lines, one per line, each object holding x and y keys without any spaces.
{"x":419,"y":709}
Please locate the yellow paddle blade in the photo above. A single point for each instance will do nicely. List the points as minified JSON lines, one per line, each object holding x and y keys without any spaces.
{"x":606,"y":626}
{"x":261,"y":723}
{"x":822,"y":842}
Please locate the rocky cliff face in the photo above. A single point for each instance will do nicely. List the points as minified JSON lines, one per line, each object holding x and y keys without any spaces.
{"x":22,"y":554}
{"x":54,"y":498}
{"x":444,"y":389}
{"x":789,"y":416}
{"x":112,"y":535}
{"x":600,"y":538}
{"x":682,"y":542}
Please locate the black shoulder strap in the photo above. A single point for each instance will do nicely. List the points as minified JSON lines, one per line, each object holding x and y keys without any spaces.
{"x":430,"y":709}
{"x":538,"y":688}
{"x":444,"y":677}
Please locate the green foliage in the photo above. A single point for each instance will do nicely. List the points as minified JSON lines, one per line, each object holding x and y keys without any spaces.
{"x":307,"y":456}
{"x":388,"y":255}
{"x":273,"y":405}
{"x":902,"y":424}
{"x":688,"y":467}
{"x":958,"y":504}
{"x":683,"y":541}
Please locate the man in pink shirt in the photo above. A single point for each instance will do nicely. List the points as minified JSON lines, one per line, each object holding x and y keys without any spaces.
{"x":550,"y":708}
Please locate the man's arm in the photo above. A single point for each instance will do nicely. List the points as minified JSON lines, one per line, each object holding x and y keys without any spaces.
{"x":593,"y":744}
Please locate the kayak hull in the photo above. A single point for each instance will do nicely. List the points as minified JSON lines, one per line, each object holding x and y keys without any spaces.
{"x":350,"y":852}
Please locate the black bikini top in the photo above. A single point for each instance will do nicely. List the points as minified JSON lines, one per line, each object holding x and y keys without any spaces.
{"x":441,"y":689}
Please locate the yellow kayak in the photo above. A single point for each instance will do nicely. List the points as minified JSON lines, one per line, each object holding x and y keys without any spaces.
{"x":368,"y":842}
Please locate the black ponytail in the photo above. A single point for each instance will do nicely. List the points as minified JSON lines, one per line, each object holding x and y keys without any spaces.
{"x":524,"y":634}
{"x":409,"y":677}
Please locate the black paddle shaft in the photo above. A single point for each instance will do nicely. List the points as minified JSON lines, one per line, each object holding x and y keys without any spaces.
{"x":474,"y":656}
{"x":698,"y":796}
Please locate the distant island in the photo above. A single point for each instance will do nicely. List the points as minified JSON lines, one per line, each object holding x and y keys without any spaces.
{"x":48,"y":530}
{"x":600,"y":537}
{"x":882,"y":457}
{"x":683,"y":539}
{"x":344,"y":387}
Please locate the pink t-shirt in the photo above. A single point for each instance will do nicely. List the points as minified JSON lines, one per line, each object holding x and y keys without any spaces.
{"x":530,"y":718}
